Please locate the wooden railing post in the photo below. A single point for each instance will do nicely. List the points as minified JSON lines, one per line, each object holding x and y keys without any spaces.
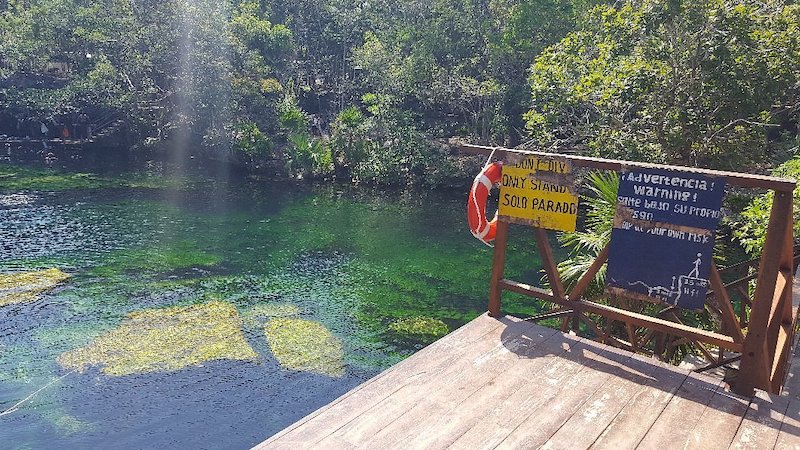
{"x":782,"y":323}
{"x":756,"y":364}
{"x":765,"y":349}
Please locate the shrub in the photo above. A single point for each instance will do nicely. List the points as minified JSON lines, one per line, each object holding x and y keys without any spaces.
{"x":751,"y":228}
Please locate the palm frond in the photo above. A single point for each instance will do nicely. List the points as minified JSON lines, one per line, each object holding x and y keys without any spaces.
{"x":586,"y":245}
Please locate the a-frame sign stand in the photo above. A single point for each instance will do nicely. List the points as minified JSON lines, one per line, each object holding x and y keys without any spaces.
{"x":764,"y":349}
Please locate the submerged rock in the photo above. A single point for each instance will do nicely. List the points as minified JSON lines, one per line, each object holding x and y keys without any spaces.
{"x":67,"y":424}
{"x":166,"y":339}
{"x":305,"y":345}
{"x":28,"y":286}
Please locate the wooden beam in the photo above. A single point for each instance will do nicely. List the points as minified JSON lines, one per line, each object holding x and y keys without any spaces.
{"x":775,"y":323}
{"x":527,"y":289}
{"x":787,"y":264}
{"x":788,"y":316}
{"x":550,"y":314}
{"x":704,"y":351}
{"x":782,"y":282}
{"x":657,"y":324}
{"x":785,"y":341}
{"x":680,"y":341}
{"x":583,"y":283}
{"x":591,"y":324}
{"x":498,"y":267}
{"x":551,"y":268}
{"x":632,"y":336}
{"x":549,"y":262}
{"x":621,"y":343}
{"x":754,"y":368}
{"x":732,"y":178}
{"x":641,"y":320}
{"x":724,"y":303}
{"x":699,"y":345}
{"x":783,"y":348}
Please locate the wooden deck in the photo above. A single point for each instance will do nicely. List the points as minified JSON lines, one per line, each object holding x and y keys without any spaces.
{"x":508,"y":383}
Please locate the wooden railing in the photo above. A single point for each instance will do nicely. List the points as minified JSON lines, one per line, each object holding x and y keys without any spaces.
{"x":760,"y":334}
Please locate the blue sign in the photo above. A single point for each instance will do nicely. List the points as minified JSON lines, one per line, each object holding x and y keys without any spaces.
{"x":663,"y":238}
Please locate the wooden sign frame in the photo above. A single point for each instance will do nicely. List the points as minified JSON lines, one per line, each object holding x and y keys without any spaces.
{"x":765,"y":349}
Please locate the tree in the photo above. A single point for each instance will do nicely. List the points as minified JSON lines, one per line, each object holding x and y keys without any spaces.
{"x":698,"y":83}
{"x":96,"y":42}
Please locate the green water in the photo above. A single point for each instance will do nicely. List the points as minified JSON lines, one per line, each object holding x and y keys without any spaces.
{"x":379,"y":274}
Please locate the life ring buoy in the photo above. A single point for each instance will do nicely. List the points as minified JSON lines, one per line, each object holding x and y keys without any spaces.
{"x":479,"y":225}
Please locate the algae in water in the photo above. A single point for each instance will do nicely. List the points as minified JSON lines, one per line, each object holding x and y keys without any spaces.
{"x":160,"y":258}
{"x":305,"y":345}
{"x":257,"y":315}
{"x":14,"y":178}
{"x":68,"y":424}
{"x":28,"y":286}
{"x":166,"y":339}
{"x":423,"y":329}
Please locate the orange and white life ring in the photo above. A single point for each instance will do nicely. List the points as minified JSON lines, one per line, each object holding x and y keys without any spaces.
{"x":479,"y":225}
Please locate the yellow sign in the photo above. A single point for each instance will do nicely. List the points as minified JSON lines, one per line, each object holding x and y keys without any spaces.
{"x":539,"y":191}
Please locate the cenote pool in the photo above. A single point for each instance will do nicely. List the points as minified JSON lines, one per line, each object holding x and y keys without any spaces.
{"x":161,"y":308}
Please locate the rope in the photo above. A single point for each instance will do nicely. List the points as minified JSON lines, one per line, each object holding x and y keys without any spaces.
{"x":491,"y":155}
{"x":488,"y":162}
{"x":30,"y":397}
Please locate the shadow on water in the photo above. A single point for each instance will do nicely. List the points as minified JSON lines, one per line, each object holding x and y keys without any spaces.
{"x":219,"y":405}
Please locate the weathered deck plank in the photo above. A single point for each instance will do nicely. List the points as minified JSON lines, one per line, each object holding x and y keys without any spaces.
{"x":510,"y":410}
{"x":790,"y":428}
{"x":674,"y":424}
{"x":508,"y":383}
{"x":404,"y":408}
{"x":761,"y":423}
{"x":428,"y":424}
{"x":640,"y":413}
{"x":433,"y":359}
{"x":589,"y":421}
{"x":720,"y":421}
{"x":600,"y":364}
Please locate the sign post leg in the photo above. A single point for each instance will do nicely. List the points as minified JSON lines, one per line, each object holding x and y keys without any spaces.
{"x":551,"y":268}
{"x":498,"y":267}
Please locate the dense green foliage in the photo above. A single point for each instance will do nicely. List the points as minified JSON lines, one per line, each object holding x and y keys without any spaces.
{"x":372,"y":92}
{"x":585,"y":245}
{"x":751,"y":227}
{"x":711,"y":83}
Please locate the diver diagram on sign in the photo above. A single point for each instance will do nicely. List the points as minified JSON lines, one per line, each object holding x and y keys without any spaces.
{"x":690,"y":284}
{"x":662,"y":240}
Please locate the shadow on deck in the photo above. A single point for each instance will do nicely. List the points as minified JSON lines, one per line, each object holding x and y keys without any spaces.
{"x":509,"y":383}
